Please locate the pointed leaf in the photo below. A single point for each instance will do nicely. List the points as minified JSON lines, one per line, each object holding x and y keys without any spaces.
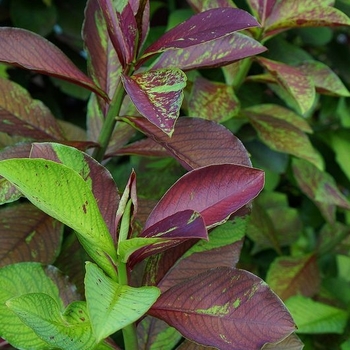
{"x":157,"y":94}
{"x":262,"y":9}
{"x":112,"y":306}
{"x":215,"y":53}
{"x":39,"y":55}
{"x":40,"y":312}
{"x":21,"y":115}
{"x":191,"y":136}
{"x":214,"y":191}
{"x":293,"y":81}
{"x":36,"y":237}
{"x":288,"y":276}
{"x":232,"y":301}
{"x":69,"y":201}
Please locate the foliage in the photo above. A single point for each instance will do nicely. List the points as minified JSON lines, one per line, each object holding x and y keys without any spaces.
{"x":178,"y":102}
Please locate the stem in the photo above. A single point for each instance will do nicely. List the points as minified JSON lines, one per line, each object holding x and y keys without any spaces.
{"x":242,"y":73}
{"x":110,"y":121}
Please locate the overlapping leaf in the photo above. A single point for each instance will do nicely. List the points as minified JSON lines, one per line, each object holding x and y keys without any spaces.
{"x":157,"y":94}
{"x":35,"y":53}
{"x":219,"y":308}
{"x":214,"y":191}
{"x":292,"y":342}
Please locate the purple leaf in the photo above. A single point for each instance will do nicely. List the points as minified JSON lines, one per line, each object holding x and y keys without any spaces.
{"x":24,"y":49}
{"x":157,"y":94}
{"x":215,"y":191}
{"x":226,"y":308}
{"x":261,"y":9}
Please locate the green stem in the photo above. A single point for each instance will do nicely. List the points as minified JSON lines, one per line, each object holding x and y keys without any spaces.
{"x":238,"y":80}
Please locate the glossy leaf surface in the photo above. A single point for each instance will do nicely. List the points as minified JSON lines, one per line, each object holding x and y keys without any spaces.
{"x":225,"y":309}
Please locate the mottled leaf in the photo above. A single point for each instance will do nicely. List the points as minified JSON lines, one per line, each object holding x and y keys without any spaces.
{"x":197,"y":142}
{"x":213,"y":101}
{"x":283,"y":136}
{"x":238,"y":300}
{"x":261,"y":9}
{"x":288,"y":276}
{"x":203,"y":5}
{"x":293,"y":81}
{"x":21,"y":115}
{"x":35,"y":237}
{"x":35,"y":53}
{"x":157,"y":94}
{"x":214,"y":191}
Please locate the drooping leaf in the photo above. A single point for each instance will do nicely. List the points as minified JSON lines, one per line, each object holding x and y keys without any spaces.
{"x":213,"y":101}
{"x":36,"y":237}
{"x":112,"y":306}
{"x":293,"y":82}
{"x":214,"y":191}
{"x":220,"y":145}
{"x":71,"y":330}
{"x":313,"y":317}
{"x":38,"y":54}
{"x":238,"y":300}
{"x":21,"y":115}
{"x":70,"y":201}
{"x":288,"y":276}
{"x":215,"y":53}
{"x":157,"y":94}
{"x":98,"y":178}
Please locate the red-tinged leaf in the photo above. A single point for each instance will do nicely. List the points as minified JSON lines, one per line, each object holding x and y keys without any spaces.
{"x":103,"y":63}
{"x":309,"y":13}
{"x":215,"y":53}
{"x":215,"y":191}
{"x":189,"y":345}
{"x":101,"y":181}
{"x":73,"y":132}
{"x":288,"y":276}
{"x":141,"y":10}
{"x":197,"y":142}
{"x":293,"y":81}
{"x":213,"y":101}
{"x":35,"y":53}
{"x":324,"y":79}
{"x":292,"y":342}
{"x":21,"y":115}
{"x":282,"y":136}
{"x":174,"y":229}
{"x":262,"y":9}
{"x":320,"y":187}
{"x":226,"y":304}
{"x":200,"y":6}
{"x":158,"y":95}
{"x":35,"y":237}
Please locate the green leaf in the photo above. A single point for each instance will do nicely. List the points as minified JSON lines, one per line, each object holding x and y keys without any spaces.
{"x":68,"y":331}
{"x":62,"y":193}
{"x":112,"y":306}
{"x":314,"y":317}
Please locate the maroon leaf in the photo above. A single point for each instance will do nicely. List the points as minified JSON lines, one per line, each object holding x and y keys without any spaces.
{"x":221,"y":307}
{"x":262,"y":9}
{"x":35,"y":237}
{"x":215,"y":191}
{"x":35,"y":53}
{"x":215,"y":53}
{"x":197,"y":142}
{"x":21,"y":115}
{"x":141,"y":10}
{"x":157,"y":94}
{"x":200,"y":6}
{"x":102,"y":183}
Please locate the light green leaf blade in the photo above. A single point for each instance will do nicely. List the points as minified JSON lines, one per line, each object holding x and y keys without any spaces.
{"x":70,"y":331}
{"x":313,"y":317}
{"x":62,"y":193}
{"x":113,"y":306}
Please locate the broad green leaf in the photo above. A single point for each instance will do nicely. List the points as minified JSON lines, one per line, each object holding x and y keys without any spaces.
{"x":39,"y":55}
{"x":16,"y":280}
{"x":288,"y":276}
{"x":63,"y":194}
{"x":283,"y":135}
{"x":238,"y":300}
{"x":293,"y":82}
{"x":36,"y":237}
{"x":313,"y":317}
{"x":158,"y":95}
{"x":21,"y":115}
{"x":213,"y":101}
{"x":70,"y":330}
{"x":112,"y":306}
